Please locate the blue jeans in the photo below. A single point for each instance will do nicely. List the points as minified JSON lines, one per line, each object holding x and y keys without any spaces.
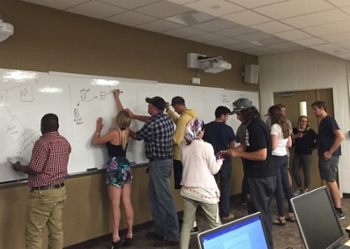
{"x":282,"y":184}
{"x":225,"y":178}
{"x":161,"y":200}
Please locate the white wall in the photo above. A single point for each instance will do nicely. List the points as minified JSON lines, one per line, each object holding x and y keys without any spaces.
{"x":306,"y":70}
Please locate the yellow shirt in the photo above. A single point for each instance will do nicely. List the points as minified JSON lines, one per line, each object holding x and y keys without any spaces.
{"x":179,"y":132}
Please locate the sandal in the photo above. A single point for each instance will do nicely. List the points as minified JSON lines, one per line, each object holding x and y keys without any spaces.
{"x":279,"y":222}
{"x":116,"y":245}
{"x":290,"y":219}
{"x":127,"y":242}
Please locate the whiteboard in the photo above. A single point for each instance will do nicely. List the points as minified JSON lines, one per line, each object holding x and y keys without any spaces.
{"x":78,"y":100}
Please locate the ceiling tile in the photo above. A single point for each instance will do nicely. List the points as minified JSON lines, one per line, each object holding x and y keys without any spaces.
{"x":241,"y":46}
{"x":310,"y":41}
{"x":271,"y":41}
{"x":337,"y":37}
{"x":247,"y":18}
{"x":191,"y":18}
{"x":346,"y":9}
{"x":96,"y":9}
{"x":344,"y":44}
{"x":318,"y":18}
{"x":163,"y":9}
{"x":62,"y":4}
{"x":215,"y":8}
{"x":293,"y":35}
{"x":184,"y":32}
{"x":272,"y":27}
{"x":182,"y":1}
{"x":259,"y":51}
{"x":239,"y":30}
{"x":129,"y":4}
{"x":224,"y":42}
{"x":340,"y":3}
{"x":293,"y":8}
{"x":292,"y":49}
{"x":214,"y":25}
{"x":130,"y":18}
{"x":159,"y":26}
{"x":328,"y":29}
{"x":325,"y":47}
{"x":284,"y":45}
{"x":254,"y":37}
{"x":206,"y":37}
{"x":250,"y":4}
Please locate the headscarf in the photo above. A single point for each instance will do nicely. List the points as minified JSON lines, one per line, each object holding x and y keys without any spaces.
{"x":193,"y":127}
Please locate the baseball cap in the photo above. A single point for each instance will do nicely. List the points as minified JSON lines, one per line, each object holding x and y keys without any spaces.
{"x":241,"y":104}
{"x":157,"y":102}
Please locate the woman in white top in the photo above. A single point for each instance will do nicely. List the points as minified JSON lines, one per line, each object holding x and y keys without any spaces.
{"x":280,"y":139}
{"x":198,"y":183}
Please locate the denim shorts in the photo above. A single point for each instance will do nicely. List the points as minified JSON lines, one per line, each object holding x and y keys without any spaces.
{"x":328,"y":168}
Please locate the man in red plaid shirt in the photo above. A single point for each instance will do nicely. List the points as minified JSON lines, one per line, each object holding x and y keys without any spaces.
{"x":46,"y":172}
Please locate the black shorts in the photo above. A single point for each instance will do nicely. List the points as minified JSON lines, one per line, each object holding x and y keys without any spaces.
{"x":177,"y":174}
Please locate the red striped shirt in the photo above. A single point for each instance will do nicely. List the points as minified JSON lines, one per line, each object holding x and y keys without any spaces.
{"x":50,"y":158}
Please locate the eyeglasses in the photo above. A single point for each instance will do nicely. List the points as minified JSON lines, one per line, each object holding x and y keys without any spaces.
{"x":303,"y":121}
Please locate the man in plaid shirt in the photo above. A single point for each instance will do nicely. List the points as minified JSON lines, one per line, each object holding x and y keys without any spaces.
{"x":46,"y":172}
{"x":157,"y":133}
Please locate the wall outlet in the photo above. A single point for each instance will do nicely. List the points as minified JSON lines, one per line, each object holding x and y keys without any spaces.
{"x":196,"y":81}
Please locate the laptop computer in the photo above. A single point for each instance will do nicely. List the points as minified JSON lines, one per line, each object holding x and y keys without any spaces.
{"x":317,"y":221}
{"x":245,"y":233}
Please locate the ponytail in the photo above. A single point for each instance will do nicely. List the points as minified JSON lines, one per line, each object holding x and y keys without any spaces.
{"x":123,"y":138}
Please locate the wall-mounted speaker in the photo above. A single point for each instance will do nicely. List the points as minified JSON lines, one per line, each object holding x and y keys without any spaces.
{"x":251,"y":74}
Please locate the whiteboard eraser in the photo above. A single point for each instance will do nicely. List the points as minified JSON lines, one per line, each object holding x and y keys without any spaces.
{"x":196,"y":81}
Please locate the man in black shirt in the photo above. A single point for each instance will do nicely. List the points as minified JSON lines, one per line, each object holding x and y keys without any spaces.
{"x":260,"y":171}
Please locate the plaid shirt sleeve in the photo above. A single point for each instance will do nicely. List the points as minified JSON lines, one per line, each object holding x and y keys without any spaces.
{"x":39,"y":156}
{"x":145,"y":132}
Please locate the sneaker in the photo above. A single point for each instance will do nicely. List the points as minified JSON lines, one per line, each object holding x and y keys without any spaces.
{"x":229,"y":217}
{"x":153,"y":235}
{"x":340,"y":214}
{"x":298,"y":192}
{"x":165,"y":243}
{"x":194,"y":230}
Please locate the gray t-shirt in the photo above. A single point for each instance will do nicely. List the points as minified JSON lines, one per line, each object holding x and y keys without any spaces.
{"x":240,"y":134}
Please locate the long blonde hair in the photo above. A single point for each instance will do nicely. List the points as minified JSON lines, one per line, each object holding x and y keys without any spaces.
{"x":123,"y":121}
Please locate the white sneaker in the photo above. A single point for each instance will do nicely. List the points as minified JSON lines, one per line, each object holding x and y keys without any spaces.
{"x":298,"y":192}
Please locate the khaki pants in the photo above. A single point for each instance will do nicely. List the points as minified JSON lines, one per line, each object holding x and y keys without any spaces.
{"x":45,"y":208}
{"x":190,"y":207}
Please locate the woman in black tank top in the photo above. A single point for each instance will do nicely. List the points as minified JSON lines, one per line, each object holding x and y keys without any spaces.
{"x":119,"y":174}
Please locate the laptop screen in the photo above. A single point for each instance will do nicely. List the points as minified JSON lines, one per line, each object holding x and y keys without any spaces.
{"x":245,"y":233}
{"x":317,"y":220}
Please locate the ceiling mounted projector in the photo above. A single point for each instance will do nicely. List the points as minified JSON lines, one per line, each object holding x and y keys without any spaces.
{"x":209,"y":64}
{"x":6,"y":30}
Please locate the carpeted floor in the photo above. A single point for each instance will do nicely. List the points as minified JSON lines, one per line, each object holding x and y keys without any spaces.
{"x":284,"y":237}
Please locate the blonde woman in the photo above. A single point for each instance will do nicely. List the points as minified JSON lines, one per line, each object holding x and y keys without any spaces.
{"x":305,"y":139}
{"x":119,"y":175}
{"x":199,"y":187}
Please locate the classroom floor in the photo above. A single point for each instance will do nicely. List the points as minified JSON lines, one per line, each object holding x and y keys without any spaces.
{"x":284,"y":237}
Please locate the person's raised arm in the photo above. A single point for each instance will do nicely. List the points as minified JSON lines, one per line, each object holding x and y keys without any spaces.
{"x":97,"y":139}
{"x":171,"y":114}
{"x":137,"y":117}
{"x":116,"y":93}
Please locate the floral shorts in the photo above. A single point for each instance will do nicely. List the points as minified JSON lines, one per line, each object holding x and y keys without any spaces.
{"x":118,"y":172}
